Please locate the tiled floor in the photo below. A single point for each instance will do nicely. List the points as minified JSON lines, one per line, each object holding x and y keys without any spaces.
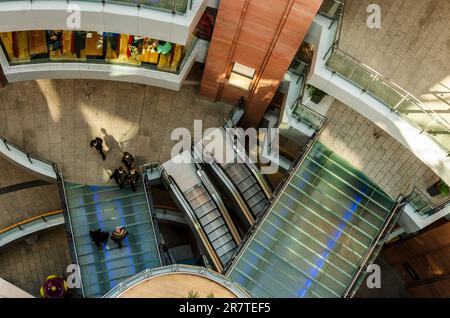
{"x":385,"y":161}
{"x":411,"y":48}
{"x":55,"y":119}
{"x":18,"y":205}
{"x":26,"y":265}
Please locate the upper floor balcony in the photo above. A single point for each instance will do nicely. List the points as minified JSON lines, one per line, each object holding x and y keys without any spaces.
{"x":168,"y":20}
{"x":416,"y":125}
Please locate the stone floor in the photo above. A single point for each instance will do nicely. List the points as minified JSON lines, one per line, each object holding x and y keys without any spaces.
{"x":19,"y":205}
{"x":411,"y":48}
{"x":27,"y":264}
{"x":55,"y":119}
{"x":384,"y":160}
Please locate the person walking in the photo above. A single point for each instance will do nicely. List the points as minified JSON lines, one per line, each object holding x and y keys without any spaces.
{"x":118,"y":235}
{"x":119,"y":176}
{"x":97,"y":143}
{"x":128,"y":161}
{"x":133,"y":177}
{"x":98,"y":236}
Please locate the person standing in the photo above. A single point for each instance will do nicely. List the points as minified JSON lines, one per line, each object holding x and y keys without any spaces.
{"x":118,"y":235}
{"x":128,"y":161}
{"x":99,"y":237}
{"x":119,"y":176}
{"x":133,"y":177}
{"x":97,"y":143}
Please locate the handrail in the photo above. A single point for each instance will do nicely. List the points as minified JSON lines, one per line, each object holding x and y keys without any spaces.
{"x":319,"y":117}
{"x":240,"y":105}
{"x":172,"y":184}
{"x":273,"y":200}
{"x":243,"y":155}
{"x":139,"y":278}
{"x":379,"y":241}
{"x":215,"y":196}
{"x":32,"y":159}
{"x":229,"y":183}
{"x":67,"y":217}
{"x":29,"y":220}
{"x":151,"y":213}
{"x":392,"y":96}
{"x":425,"y":207}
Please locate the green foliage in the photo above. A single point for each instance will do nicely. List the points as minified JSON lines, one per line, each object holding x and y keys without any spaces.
{"x":443,"y":188}
{"x":193,"y":294}
{"x":210,"y":295}
{"x":314,"y":91}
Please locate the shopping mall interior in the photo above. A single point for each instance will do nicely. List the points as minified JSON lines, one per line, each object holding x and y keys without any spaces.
{"x":335,"y":132}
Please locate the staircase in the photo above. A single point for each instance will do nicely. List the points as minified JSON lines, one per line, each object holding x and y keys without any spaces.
{"x":105,"y":207}
{"x":317,"y":234}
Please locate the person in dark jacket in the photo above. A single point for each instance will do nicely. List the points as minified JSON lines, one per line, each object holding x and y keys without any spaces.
{"x":120,"y":177}
{"x":128,"y":161}
{"x":133,"y":177}
{"x":98,"y":236}
{"x":97,"y":143}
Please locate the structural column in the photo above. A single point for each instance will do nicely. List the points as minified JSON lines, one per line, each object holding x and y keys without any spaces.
{"x":262,"y":36}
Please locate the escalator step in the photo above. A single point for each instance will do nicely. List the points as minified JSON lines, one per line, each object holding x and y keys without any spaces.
{"x":210,"y":217}
{"x":213,"y":225}
{"x":221,"y":230}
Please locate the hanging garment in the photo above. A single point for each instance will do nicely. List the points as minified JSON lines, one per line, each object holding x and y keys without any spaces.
{"x":80,"y":42}
{"x":15,"y":45}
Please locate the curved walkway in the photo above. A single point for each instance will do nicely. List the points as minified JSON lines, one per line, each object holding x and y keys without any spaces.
{"x":55,"y":119}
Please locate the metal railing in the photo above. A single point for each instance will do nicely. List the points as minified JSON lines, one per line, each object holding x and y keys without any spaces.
{"x":375,"y":248}
{"x":275,"y":196}
{"x":238,"y":111}
{"x":9,"y":149}
{"x":137,"y":279}
{"x":423,"y":205}
{"x":390,"y":94}
{"x":180,"y":7}
{"x":30,"y":226}
{"x":67,"y":218}
{"x":307,"y":116}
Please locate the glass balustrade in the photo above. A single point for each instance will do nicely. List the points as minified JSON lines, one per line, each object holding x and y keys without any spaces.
{"x":171,"y":6}
{"x":392,"y":96}
{"x":56,"y":46}
{"x":308,"y":116}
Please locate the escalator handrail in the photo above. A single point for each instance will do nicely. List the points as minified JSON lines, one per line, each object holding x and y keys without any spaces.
{"x":231,"y":185}
{"x":192,"y":217}
{"x":152,"y":214}
{"x":379,"y":240}
{"x":266,"y":212}
{"x":217,"y":198}
{"x":242,"y":153}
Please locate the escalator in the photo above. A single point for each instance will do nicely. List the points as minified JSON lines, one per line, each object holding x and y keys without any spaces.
{"x":241,"y":178}
{"x":204,"y":210}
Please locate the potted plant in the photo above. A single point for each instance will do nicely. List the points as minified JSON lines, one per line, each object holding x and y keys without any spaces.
{"x":439,"y":188}
{"x":315,"y":94}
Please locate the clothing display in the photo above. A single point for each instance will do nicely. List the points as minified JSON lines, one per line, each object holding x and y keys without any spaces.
{"x":67,"y":45}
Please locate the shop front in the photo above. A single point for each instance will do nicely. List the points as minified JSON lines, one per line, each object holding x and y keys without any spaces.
{"x":58,"y":46}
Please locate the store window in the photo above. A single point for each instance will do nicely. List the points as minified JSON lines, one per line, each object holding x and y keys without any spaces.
{"x":26,"y":47}
{"x":241,"y":76}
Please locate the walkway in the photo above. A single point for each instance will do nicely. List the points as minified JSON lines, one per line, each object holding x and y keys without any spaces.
{"x":55,"y":119}
{"x":411,"y":48}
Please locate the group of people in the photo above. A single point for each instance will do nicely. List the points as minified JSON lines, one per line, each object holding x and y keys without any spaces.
{"x":119,"y":175}
{"x":117,"y":236}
